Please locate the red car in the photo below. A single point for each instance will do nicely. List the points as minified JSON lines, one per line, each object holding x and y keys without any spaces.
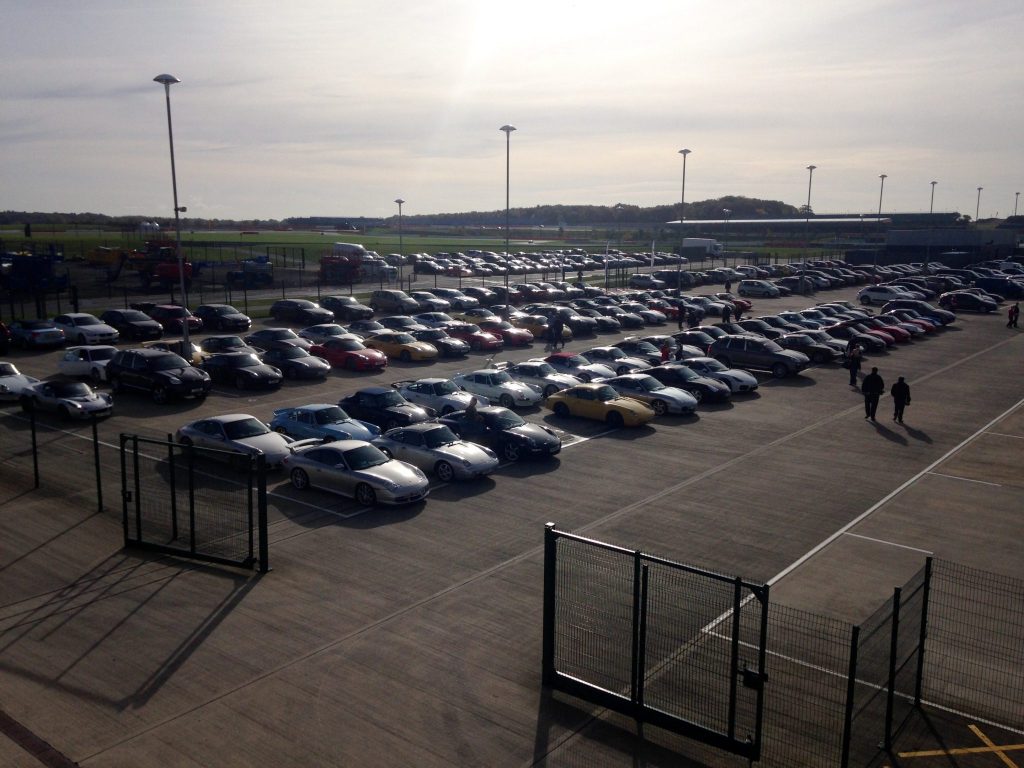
{"x":670,"y":311}
{"x":476,"y":338}
{"x":897,"y":333}
{"x":745,"y":304}
{"x":348,"y":351}
{"x":173,"y":318}
{"x":508,"y":333}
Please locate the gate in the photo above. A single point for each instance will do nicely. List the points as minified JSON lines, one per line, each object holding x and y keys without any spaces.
{"x":672,"y":645}
{"x":180,"y":499}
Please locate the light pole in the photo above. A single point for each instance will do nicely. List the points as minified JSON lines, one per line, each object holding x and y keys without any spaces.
{"x":931,"y":207}
{"x":807,"y":210}
{"x":977,"y":207}
{"x":401,"y":246}
{"x":726,"y":213}
{"x":928,"y":246}
{"x":167,"y":81}
{"x":682,"y":229}
{"x":881,"y":191}
{"x":1016,"y":198}
{"x":508,"y":148}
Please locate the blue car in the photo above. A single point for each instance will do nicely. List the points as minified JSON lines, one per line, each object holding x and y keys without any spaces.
{"x":321,"y":420}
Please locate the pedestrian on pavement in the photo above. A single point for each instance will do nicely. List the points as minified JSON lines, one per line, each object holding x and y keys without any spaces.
{"x":728,"y":285}
{"x":557,"y":331}
{"x":854,"y":356}
{"x":900,"y":399}
{"x":691,"y":318}
{"x":679,"y":317}
{"x":1013,"y":314}
{"x":873,"y":386}
{"x":666,"y":351}
{"x":726,"y":314}
{"x":738,"y":310}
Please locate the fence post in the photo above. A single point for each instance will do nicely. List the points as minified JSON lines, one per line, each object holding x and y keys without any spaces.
{"x":926,"y":594}
{"x":124,"y":490}
{"x":893,"y":651}
{"x":191,"y":451}
{"x":734,"y":660}
{"x":550,"y":584}
{"x":138,"y":488}
{"x":261,"y":512}
{"x":35,"y":446}
{"x":851,"y":690}
{"x":96,"y":460}
{"x":174,"y":487}
{"x":634,"y":651}
{"x":641,"y":665}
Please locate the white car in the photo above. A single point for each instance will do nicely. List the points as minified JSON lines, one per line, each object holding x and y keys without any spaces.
{"x":880,"y":294}
{"x":13,"y":382}
{"x":578,"y":366}
{"x":443,"y":395}
{"x":539,"y":374}
{"x":88,"y":361}
{"x":737,"y":379}
{"x":237,"y":433}
{"x":499,"y":387}
{"x":433,"y":447}
{"x":83,"y":328}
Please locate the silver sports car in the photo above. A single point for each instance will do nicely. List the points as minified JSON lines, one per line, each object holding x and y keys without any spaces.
{"x":236,"y":433}
{"x":435,"y":448}
{"x":71,"y":399}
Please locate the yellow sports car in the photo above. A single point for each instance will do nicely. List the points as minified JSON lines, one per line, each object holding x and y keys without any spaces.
{"x":599,"y":402}
{"x":401,"y":345}
{"x":538,"y":326}
{"x":177,"y":347}
{"x":473,"y":314}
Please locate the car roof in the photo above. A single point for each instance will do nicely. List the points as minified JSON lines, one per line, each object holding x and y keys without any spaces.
{"x":375,"y":390}
{"x":226,"y":417}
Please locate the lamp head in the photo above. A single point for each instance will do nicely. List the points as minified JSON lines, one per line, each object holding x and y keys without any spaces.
{"x":400,"y":201}
{"x":811,"y":168}
{"x":507,"y":129}
{"x":684,"y":152}
{"x":166,"y":80}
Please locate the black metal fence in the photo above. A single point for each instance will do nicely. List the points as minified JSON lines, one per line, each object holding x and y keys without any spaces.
{"x":179,"y":499}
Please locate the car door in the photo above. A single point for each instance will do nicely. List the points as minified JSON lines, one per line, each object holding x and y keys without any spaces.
{"x":74,"y":363}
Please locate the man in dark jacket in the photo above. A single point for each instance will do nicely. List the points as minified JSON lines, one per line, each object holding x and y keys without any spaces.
{"x":873,"y":386}
{"x":900,"y":398}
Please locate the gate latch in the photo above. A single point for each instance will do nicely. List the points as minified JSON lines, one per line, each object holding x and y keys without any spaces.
{"x":752,"y":678}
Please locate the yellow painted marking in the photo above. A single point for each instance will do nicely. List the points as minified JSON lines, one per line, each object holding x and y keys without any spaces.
{"x":989,"y":748}
{"x":988,"y":743}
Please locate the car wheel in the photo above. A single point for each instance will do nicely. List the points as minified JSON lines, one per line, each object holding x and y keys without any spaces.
{"x":585,"y":377}
{"x":780,"y":371}
{"x":445,"y":472}
{"x":865,"y":300}
{"x":614,"y":419}
{"x":820,"y":358}
{"x":300,"y":479}
{"x":561,"y":409}
{"x":115,"y":385}
{"x":446,"y":410}
{"x":280,"y":430}
{"x":96,"y":375}
{"x":241,"y":382}
{"x":186,"y":442}
{"x":160,"y":395}
{"x":65,"y":414}
{"x":405,"y":356}
{"x":549,"y":390}
{"x":660,"y":407}
{"x":506,"y":401}
{"x":365,"y":495}
{"x":26,"y":404}
{"x":510,"y":451}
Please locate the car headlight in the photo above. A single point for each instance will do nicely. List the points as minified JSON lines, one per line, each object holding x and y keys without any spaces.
{"x":174,"y":380}
{"x":73,"y":404}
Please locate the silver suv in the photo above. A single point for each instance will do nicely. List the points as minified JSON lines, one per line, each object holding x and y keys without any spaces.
{"x":749,"y":351}
{"x":393,"y":300}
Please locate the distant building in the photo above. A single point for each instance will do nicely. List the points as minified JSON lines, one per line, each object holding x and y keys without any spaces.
{"x":916,"y":244}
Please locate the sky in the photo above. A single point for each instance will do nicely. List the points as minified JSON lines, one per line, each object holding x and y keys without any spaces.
{"x":337,"y":108}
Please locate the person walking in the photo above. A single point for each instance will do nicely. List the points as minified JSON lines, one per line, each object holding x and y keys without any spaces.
{"x":726,"y":314}
{"x":559,"y":340}
{"x":666,"y":351}
{"x":738,"y":310}
{"x":728,"y":285}
{"x":680,"y":314}
{"x":691,"y":318}
{"x":872,"y":387}
{"x":900,"y":399}
{"x":1012,"y":315}
{"x":854,"y":355}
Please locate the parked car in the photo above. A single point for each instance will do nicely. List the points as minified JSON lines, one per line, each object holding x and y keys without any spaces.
{"x":295,"y":362}
{"x":322,"y":421}
{"x":265,"y":338}
{"x":213,"y":344}
{"x":70,"y":399}
{"x":384,"y":407}
{"x":222,"y":317}
{"x":505,"y":431}
{"x":446,"y":346}
{"x":393,"y":301}
{"x":242,"y":370}
{"x":349,"y":352}
{"x":478,"y":339}
{"x":880,"y":294}
{"x":35,"y":334}
{"x":616,"y":359}
{"x":164,"y":375}
{"x":441,"y":395}
{"x":661,"y":398}
{"x":640,"y":280}
{"x":173,"y":318}
{"x":300,"y":311}
{"x":428,"y":302}
{"x":133,"y":324}
{"x":965,"y":301}
{"x":601,"y":403}
{"x":237,"y":434}
{"x":13,"y":382}
{"x":539,"y":374}
{"x":401,"y":345}
{"x":579,"y":366}
{"x":193,"y":353}
{"x":358,"y":470}
{"x":498,"y":387}
{"x":316,"y":334}
{"x":346,"y":308}
{"x":90,"y":360}
{"x":758,"y":288}
{"x":757,"y":352}
{"x":738,"y":380}
{"x":818,"y":352}
{"x":83,"y":328}
{"x":456,"y":298}
{"x":703,"y":388}
{"x":510,"y":335}
{"x":434,"y":447}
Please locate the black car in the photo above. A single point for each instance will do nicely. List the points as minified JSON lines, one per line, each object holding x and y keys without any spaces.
{"x":384,"y":407}
{"x":626,"y":319}
{"x":694,"y":337}
{"x":447,"y":346}
{"x":132,"y":324}
{"x":645,"y":350}
{"x":164,"y":375}
{"x":505,"y":432}
{"x":222,"y":317}
{"x":243,"y":370}
{"x":754,"y":325}
{"x":211,"y":345}
{"x":295,"y":362}
{"x":965,"y":301}
{"x":818,"y":352}
{"x":677,"y":375}
{"x":346,"y":308}
{"x":300,"y":311}
{"x":265,"y":338}
{"x":604,"y":324}
{"x":944,"y":316}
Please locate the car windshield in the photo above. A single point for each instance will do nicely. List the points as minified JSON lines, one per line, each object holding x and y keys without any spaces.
{"x":167,"y":362}
{"x":771,"y":346}
{"x":243,"y":428}
{"x":798,"y":340}
{"x":647,"y":348}
{"x":303,"y":304}
{"x":650,"y":384}
{"x":604,"y":393}
{"x":500,"y":377}
{"x":102,"y":354}
{"x":433,"y":334}
{"x":134,"y":315}
{"x":36,"y":325}
{"x":445,"y":388}
{"x":328,"y":330}
{"x":615,"y":353}
{"x":545,"y":369}
{"x":8,"y":369}
{"x":292,"y":353}
{"x":348,"y":345}
{"x":245,"y":361}
{"x":278,"y":334}
{"x":439,"y":436}
{"x":174,"y":312}
{"x":87,"y":320}
{"x":228,"y":342}
{"x":385,"y":399}
{"x":713,"y":365}
{"x":364,"y":457}
{"x":343,"y":300}
{"x":71,"y":389}
{"x":331,"y":415}
{"x":225,"y":310}
{"x":403,"y":338}
{"x":505,"y":419}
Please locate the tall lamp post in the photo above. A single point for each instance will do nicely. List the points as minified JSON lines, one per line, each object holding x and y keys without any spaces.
{"x":931,"y":210}
{"x":682,"y":229}
{"x":807,"y":210}
{"x":881,"y":191}
{"x":401,"y":246}
{"x":167,"y":81}
{"x":726,"y":213}
{"x":977,"y":207}
{"x":1016,"y":198}
{"x":508,"y":148}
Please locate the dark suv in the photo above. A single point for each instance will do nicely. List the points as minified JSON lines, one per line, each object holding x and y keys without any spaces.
{"x":300,"y":311}
{"x":394,"y":301}
{"x":164,"y":375}
{"x":749,"y":351}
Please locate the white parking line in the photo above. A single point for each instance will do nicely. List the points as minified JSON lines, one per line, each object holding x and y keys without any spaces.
{"x":965,"y":479}
{"x":888,"y":543}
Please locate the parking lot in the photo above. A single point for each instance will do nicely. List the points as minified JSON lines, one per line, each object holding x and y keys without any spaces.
{"x":411,"y":635}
